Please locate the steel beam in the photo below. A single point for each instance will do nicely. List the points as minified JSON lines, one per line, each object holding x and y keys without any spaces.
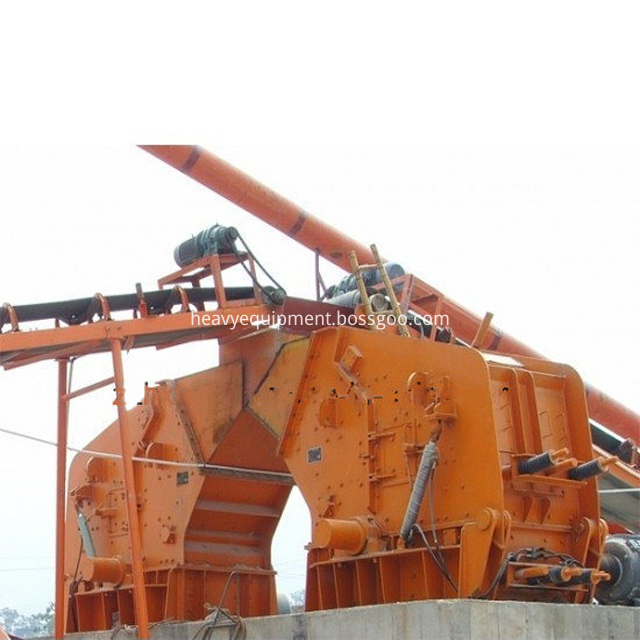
{"x":135,"y":543}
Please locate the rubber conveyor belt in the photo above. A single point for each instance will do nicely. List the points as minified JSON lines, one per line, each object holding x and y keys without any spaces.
{"x":80,"y":310}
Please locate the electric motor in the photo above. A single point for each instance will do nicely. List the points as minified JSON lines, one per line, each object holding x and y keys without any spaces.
{"x":621,"y":559}
{"x":212,"y":241}
{"x":370,"y":277}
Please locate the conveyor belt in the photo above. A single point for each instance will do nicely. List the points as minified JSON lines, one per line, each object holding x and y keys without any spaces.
{"x":80,"y":310}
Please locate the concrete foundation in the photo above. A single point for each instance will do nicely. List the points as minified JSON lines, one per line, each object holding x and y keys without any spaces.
{"x":436,"y":619}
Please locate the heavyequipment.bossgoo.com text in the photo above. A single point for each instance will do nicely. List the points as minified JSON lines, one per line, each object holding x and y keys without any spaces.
{"x":313,"y":320}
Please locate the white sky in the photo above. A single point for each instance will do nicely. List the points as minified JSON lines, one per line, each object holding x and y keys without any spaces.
{"x":426,"y":130}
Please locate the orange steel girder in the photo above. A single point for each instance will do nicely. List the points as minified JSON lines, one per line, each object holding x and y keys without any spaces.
{"x":140,"y":595}
{"x":25,"y":347}
{"x":61,"y":496}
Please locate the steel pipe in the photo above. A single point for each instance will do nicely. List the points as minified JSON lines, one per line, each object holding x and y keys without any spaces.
{"x":135,"y":544}
{"x":262,"y":202}
{"x":61,"y":496}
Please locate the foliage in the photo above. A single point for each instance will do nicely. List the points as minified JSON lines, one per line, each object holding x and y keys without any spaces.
{"x":297,"y":601}
{"x":27,"y":626}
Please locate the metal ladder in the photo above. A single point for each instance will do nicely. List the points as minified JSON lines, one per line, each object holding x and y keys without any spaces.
{"x":366,"y":301}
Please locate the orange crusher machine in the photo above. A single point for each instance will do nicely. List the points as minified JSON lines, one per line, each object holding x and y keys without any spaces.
{"x":436,"y":462}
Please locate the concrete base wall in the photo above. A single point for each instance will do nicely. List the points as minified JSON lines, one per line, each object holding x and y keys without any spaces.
{"x":435,"y":619}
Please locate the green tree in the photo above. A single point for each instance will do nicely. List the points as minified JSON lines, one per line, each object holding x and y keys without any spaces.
{"x":27,"y":626}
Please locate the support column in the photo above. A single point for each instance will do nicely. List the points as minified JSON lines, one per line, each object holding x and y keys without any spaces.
{"x":61,"y":497}
{"x":135,"y":544}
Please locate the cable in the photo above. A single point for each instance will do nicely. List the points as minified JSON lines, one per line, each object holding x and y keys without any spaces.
{"x":532,"y":553}
{"x":439,"y":558}
{"x":73,"y":587}
{"x":44,"y":555}
{"x":513,"y":555}
{"x":27,"y":569}
{"x":535,"y":553}
{"x":255,"y":259}
{"x":168,"y":463}
{"x":206,"y":630}
{"x":628,"y":490}
{"x":269,"y":294}
{"x":255,"y":281}
{"x":433,"y":521}
{"x":443,"y":570}
{"x":132,"y":629}
{"x":211,"y":621}
{"x":501,"y":571}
